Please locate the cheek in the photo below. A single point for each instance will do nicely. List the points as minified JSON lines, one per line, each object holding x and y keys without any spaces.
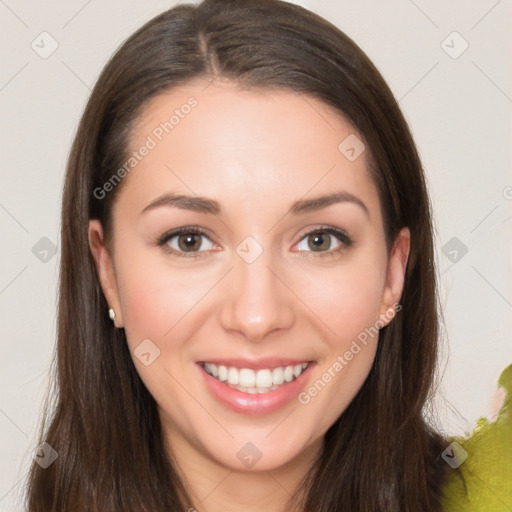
{"x":347,"y":301}
{"x":155,"y":296}
{"x":161,"y":303}
{"x":335,"y":384}
{"x":347,"y":298}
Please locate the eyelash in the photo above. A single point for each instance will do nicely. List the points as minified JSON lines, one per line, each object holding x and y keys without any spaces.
{"x":341,"y":235}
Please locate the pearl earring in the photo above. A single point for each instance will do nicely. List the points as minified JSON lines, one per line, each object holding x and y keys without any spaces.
{"x":112,"y":314}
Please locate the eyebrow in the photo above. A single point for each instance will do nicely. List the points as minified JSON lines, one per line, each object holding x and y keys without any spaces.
{"x":210,"y":206}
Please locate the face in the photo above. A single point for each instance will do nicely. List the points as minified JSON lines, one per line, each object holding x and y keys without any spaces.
{"x":249,"y":270}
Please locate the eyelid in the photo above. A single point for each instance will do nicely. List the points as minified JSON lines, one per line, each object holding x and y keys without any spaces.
{"x":339,"y":233}
{"x":179,"y":231}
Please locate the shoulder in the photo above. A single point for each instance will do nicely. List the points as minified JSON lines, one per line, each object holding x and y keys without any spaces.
{"x":483,"y":482}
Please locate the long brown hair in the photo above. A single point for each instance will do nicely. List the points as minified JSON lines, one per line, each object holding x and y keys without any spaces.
{"x":381,"y":453}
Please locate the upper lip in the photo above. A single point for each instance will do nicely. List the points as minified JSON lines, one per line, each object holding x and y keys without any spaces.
{"x":256,"y":364}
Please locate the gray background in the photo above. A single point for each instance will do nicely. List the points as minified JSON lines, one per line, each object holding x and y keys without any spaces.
{"x":458,"y":107}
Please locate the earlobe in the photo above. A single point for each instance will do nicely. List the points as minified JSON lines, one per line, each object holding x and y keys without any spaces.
{"x":105,"y":268}
{"x":395,"y":274}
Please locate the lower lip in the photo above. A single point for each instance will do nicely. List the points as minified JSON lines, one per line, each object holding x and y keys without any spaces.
{"x":255,"y":404}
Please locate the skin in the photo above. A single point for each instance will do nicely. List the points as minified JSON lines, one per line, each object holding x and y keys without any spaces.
{"x":255,"y":152}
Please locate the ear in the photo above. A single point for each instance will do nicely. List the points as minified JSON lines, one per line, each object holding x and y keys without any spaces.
{"x":105,"y":269}
{"x":395,"y":276}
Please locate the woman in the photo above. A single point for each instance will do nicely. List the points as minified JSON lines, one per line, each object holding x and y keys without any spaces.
{"x":247,"y":313}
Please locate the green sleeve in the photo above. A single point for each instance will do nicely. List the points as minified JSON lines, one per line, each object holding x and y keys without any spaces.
{"x":483,"y":482}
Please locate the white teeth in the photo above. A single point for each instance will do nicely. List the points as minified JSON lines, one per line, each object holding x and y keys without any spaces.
{"x":277,"y":376}
{"x":233,"y":375}
{"x":223,"y":373}
{"x":264,"y":379}
{"x":246,"y":378}
{"x":253,"y":382}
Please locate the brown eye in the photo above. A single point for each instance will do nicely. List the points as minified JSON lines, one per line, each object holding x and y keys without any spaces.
{"x":186,"y":242}
{"x":319,"y":241}
{"x":326,"y":240}
{"x":190,"y":241}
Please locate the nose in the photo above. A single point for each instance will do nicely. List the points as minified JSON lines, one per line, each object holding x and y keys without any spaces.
{"x":256,"y":301}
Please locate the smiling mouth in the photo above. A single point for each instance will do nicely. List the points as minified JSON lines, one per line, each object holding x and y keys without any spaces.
{"x":252,"y":381}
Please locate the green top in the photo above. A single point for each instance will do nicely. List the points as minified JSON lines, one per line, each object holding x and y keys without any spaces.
{"x":483,"y":481}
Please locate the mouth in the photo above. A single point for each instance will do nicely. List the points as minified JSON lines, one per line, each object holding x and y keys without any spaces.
{"x":248,"y":380}
{"x":255,"y":388}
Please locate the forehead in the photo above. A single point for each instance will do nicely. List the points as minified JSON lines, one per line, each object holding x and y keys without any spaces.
{"x":223,"y":114}
{"x":244,"y":145}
